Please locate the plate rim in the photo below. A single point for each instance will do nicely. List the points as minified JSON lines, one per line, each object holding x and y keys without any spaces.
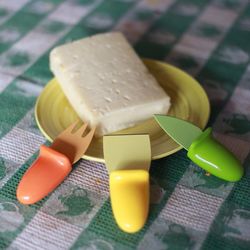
{"x":159,"y":156}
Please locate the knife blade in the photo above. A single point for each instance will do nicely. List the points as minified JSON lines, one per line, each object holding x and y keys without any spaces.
{"x":202,"y":148}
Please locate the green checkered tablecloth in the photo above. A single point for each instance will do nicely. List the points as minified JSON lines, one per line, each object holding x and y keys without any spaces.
{"x":189,"y":209}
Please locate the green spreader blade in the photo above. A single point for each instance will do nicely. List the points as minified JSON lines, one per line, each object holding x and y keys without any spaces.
{"x":183,"y":132}
{"x":127,"y":152}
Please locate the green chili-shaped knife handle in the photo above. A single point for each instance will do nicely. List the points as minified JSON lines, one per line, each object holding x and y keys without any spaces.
{"x":212,"y":156}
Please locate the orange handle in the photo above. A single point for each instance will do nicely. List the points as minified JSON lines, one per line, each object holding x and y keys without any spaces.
{"x":44,"y":175}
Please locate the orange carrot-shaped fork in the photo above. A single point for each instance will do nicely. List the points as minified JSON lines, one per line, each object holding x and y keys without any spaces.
{"x":53,"y":164}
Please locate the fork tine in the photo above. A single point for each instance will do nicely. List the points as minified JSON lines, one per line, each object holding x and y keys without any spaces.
{"x":70,"y":128}
{"x":90,"y":134}
{"x":86,"y":140}
{"x":82,"y":144}
{"x":81,"y":130}
{"x":92,"y":131}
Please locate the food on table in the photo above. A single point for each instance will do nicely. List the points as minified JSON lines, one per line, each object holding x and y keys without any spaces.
{"x":106,"y":82}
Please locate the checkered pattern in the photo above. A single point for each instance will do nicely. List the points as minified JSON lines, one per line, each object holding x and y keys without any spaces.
{"x":189,"y":209}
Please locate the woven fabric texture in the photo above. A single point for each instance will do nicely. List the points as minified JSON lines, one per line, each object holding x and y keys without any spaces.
{"x":189,"y":209}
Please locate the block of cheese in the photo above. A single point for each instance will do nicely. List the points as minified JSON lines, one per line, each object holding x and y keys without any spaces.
{"x":106,"y":82}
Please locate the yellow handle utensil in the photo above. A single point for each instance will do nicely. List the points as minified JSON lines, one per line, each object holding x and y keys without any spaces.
{"x":129,"y":192}
{"x":128,"y":158}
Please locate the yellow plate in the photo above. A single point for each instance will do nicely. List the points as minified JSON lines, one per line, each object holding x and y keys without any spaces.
{"x":189,"y":101}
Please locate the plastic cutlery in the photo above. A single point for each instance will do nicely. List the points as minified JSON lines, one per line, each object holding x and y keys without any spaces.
{"x":53,"y":164}
{"x":128,"y":158}
{"x":202,"y":148}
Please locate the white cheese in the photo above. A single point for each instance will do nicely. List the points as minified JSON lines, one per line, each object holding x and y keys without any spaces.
{"x":106,"y":82}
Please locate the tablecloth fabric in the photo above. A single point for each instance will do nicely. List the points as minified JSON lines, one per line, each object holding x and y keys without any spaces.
{"x":189,"y":209}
